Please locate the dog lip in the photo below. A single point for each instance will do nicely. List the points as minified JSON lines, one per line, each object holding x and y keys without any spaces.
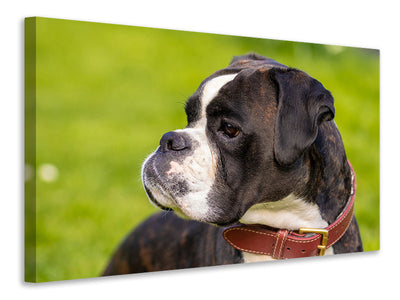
{"x":154,"y":201}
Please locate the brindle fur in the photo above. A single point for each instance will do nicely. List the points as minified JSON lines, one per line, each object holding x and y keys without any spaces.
{"x":319,"y":174}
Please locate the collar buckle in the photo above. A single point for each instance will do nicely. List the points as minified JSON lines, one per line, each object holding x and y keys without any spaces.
{"x":324,"y":239}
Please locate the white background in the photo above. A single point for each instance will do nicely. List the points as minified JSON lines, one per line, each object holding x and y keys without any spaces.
{"x":371,"y":24}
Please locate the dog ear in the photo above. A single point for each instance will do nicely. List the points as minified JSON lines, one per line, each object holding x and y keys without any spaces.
{"x":246,"y":57}
{"x":303,"y":104}
{"x":253,"y":60}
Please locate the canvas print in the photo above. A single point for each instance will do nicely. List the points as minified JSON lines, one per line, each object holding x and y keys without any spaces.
{"x":152,"y":150}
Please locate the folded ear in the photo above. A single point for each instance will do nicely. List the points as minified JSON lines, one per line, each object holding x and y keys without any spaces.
{"x":303,"y":104}
{"x":246,"y":57}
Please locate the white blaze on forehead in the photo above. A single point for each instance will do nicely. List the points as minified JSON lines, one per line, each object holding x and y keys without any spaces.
{"x":211,"y":90}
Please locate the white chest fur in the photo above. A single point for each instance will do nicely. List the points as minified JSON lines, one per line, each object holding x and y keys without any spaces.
{"x":290,"y":213}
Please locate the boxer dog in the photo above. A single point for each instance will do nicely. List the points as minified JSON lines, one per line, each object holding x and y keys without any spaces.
{"x":259,"y":173}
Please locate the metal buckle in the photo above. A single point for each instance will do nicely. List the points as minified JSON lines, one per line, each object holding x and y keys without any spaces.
{"x":324,"y":240}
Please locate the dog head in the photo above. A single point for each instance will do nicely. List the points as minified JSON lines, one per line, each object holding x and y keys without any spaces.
{"x":248,"y":127}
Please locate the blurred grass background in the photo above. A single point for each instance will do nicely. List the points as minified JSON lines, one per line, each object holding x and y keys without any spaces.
{"x":105,"y":95}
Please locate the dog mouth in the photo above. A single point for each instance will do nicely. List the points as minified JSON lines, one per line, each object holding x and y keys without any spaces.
{"x":183,"y":184}
{"x":161,"y":191}
{"x":156,"y":192}
{"x":154,"y":201}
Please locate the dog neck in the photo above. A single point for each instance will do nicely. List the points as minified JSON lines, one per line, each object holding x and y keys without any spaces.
{"x":290,"y":213}
{"x":322,"y":197}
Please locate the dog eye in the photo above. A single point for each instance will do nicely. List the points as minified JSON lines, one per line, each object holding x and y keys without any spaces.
{"x":229,"y":130}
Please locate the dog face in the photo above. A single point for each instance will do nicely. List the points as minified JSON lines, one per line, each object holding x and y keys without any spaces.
{"x":249,"y":126}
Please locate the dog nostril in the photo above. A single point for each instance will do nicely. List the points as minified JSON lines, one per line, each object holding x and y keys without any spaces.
{"x":169,"y":145}
{"x":172,"y":141}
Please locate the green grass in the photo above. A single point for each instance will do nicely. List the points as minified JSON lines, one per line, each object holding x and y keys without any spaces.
{"x":105,"y":95}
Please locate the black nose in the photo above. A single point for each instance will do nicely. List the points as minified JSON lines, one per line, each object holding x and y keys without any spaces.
{"x":172,"y":141}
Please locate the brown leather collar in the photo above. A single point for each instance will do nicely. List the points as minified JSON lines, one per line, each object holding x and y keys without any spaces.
{"x":283,"y":244}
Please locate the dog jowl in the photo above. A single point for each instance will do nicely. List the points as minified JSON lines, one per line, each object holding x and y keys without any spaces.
{"x":260,"y":147}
